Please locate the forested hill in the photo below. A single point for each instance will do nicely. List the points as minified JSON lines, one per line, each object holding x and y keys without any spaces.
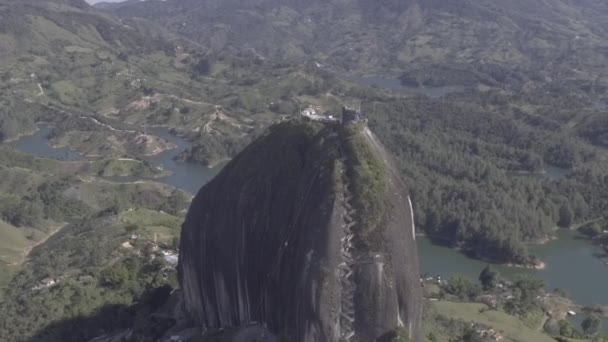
{"x":435,"y":42}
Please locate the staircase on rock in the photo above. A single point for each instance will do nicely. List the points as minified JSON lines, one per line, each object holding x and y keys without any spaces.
{"x":346,"y":267}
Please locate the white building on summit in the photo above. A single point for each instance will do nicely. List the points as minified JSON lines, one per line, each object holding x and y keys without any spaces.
{"x":318,"y":113}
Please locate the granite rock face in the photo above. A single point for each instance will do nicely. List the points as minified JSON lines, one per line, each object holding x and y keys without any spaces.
{"x":308,"y":232}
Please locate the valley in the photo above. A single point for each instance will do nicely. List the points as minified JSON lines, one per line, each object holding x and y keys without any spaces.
{"x":112,"y":120}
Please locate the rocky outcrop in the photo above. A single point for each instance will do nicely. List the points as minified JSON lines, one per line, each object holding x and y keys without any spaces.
{"x":309,"y":233}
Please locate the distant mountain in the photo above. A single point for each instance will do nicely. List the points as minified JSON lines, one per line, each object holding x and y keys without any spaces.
{"x":460,"y":40}
{"x":109,"y":5}
{"x":82,"y":4}
{"x":61,"y":26}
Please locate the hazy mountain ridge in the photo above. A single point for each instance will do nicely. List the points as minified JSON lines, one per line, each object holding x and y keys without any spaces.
{"x":387,"y":36}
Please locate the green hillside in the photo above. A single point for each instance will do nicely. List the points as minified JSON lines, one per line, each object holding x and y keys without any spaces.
{"x":77,"y":228}
{"x":77,"y":64}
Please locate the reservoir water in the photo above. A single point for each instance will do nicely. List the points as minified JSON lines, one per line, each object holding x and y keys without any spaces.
{"x":37,"y":144}
{"x":572,"y":262}
{"x":186,"y":176}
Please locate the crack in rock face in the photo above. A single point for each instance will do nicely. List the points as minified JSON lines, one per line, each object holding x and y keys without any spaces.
{"x":307,"y":235}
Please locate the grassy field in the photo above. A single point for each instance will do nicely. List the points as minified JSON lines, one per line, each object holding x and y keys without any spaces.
{"x":512,"y":328}
{"x":14,"y":241}
{"x":14,"y":245}
{"x":152,"y":222}
{"x":17,"y":162}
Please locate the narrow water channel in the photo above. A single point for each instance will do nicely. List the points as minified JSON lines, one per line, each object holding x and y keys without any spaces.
{"x":37,"y":144}
{"x":186,"y":176}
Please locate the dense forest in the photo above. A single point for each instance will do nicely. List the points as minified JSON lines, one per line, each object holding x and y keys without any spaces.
{"x":480,"y":164}
{"x":476,"y":161}
{"x":477,"y":165}
{"x":92,"y":265}
{"x":93,"y":276}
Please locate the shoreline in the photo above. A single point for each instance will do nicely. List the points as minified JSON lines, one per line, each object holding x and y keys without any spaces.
{"x":156,"y":151}
{"x":21,"y":135}
{"x":539,"y":265}
{"x":542,"y":241}
{"x":216,"y":163}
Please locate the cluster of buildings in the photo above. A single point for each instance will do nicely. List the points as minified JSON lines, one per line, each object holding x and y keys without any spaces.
{"x":45,"y":283}
{"x":48,"y":283}
{"x":320,"y":114}
{"x":437,"y":280}
{"x":170,"y":256}
{"x":487,"y":333}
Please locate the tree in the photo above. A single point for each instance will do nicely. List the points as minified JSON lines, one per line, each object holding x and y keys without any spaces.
{"x":123,"y":56}
{"x":132,"y":228}
{"x":462,"y":287}
{"x":592,"y":230}
{"x":31,"y":236}
{"x":471,"y":335}
{"x":565,"y":328}
{"x":202,"y":68}
{"x":591,"y":326}
{"x":115,"y":276}
{"x":565,"y":216}
{"x":488,"y":278}
{"x":147,"y":91}
{"x":525,"y":294}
